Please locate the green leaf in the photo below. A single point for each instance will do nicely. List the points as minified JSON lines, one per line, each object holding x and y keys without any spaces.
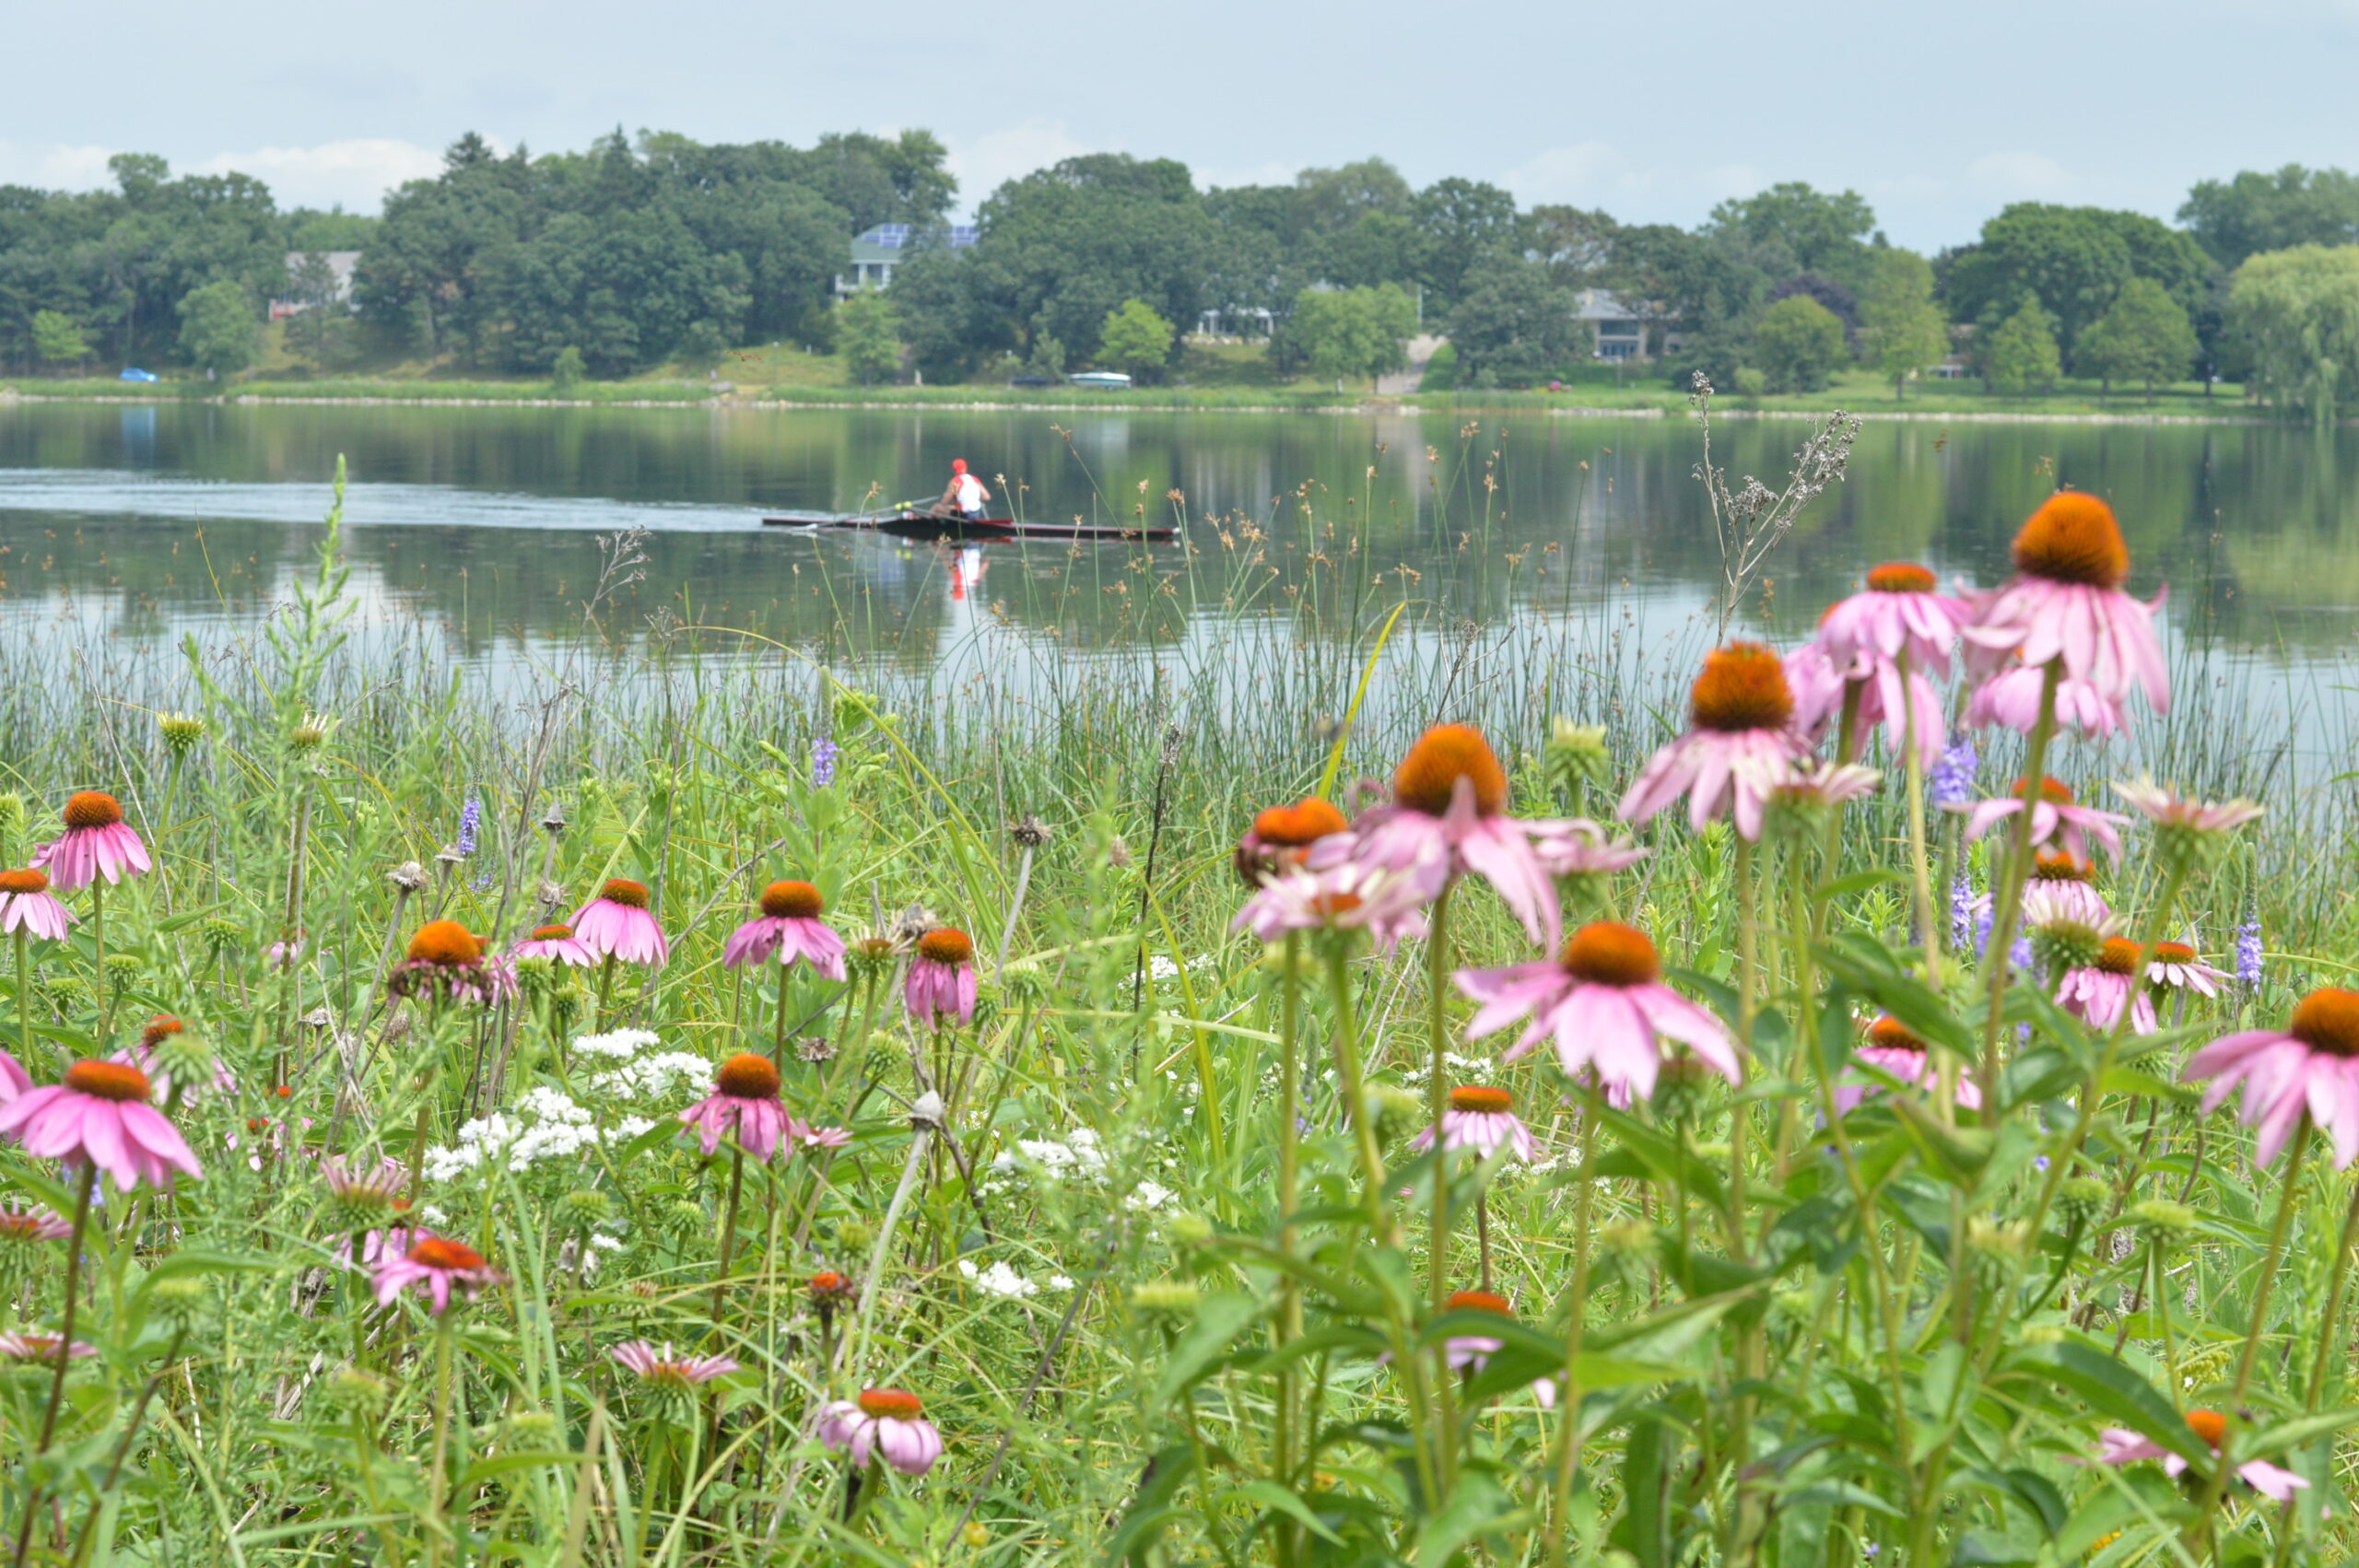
{"x":2113,"y":1390}
{"x":1476,"y":1506}
{"x":501,"y":1464}
{"x":1217,"y":1320}
{"x":2295,"y":1434}
{"x":1270,"y":1494}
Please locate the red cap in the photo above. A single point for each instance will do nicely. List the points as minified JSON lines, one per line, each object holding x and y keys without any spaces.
{"x":957,"y":465}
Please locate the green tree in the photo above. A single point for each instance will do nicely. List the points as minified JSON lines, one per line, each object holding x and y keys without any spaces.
{"x":1463,"y":225}
{"x":1798,"y":342}
{"x":56,"y":340}
{"x":2255,"y":211}
{"x":1791,"y":227}
{"x":868,"y":335}
{"x":2297,"y":314}
{"x":567,"y":370}
{"x":1901,"y":330}
{"x":1134,"y":337}
{"x":1516,"y":326}
{"x":219,"y":332}
{"x":320,"y":328}
{"x":2021,"y":355}
{"x":2075,"y":259}
{"x":1352,"y":331}
{"x":2143,"y":336}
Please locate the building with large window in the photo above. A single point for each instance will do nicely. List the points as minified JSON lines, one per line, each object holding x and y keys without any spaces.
{"x":1621,"y":326}
{"x":875,"y":253}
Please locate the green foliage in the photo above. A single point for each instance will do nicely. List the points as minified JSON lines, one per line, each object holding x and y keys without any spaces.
{"x":1352,"y":331}
{"x":2143,"y":336}
{"x":322,"y":328}
{"x":1901,"y":329}
{"x":1791,"y":227}
{"x":2075,"y":259}
{"x":2296,"y":313}
{"x":1798,"y":342}
{"x":567,"y":370}
{"x":56,"y":340}
{"x":220,"y":331}
{"x":1516,"y":326}
{"x":1133,"y":338}
{"x":1441,"y":370}
{"x":2021,"y":355}
{"x":868,"y":335}
{"x":2254,"y":212}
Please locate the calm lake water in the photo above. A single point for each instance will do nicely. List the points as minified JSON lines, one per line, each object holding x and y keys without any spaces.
{"x":140,"y":523}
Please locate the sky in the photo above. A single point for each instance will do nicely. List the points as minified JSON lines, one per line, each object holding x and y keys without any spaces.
{"x":1940,"y":115}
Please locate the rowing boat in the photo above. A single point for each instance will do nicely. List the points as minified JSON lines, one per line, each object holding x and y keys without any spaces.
{"x":913,"y":524}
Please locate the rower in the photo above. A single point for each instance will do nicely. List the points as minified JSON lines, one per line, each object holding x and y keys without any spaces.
{"x":964,"y":495}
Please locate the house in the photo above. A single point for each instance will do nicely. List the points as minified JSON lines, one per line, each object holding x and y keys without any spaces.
{"x":877,"y":253}
{"x":1620,"y":324}
{"x":340,"y":265}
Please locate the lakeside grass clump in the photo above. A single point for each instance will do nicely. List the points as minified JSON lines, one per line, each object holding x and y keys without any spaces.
{"x":737,"y":1110}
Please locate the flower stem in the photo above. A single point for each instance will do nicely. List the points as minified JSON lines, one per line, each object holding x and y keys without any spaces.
{"x":2277,"y":1232}
{"x":1568,"y":1424}
{"x":1928,"y":927}
{"x":23,"y":994}
{"x":1438,"y":1250}
{"x":605,"y":988}
{"x":2007,"y":904}
{"x":728,"y":1233}
{"x":778,"y":1040}
{"x":98,"y":946}
{"x":1289,"y":1195}
{"x":437,"y":1480}
{"x":64,"y":1351}
{"x":1347,"y":1066}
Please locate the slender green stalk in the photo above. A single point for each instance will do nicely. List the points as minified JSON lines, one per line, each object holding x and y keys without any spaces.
{"x":84,"y":1188}
{"x":2006,"y":906}
{"x":1568,"y":1421}
{"x":728,"y":1233}
{"x":24,"y":995}
{"x":438,"y":1478}
{"x":2279,"y":1228}
{"x":1347,"y":1067}
{"x":1919,"y":868}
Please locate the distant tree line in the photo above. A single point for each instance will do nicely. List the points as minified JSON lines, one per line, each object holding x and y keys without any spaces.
{"x":636,"y":252}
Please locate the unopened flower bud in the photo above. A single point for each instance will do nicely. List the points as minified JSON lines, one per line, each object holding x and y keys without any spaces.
{"x":182,"y":732}
{"x":2162,"y":1217}
{"x":1169,"y":1298}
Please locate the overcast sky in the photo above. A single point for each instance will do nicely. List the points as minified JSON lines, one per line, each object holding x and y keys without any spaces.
{"x":1939,"y":114}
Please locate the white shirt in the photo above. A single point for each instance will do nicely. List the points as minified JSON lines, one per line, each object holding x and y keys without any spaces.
{"x":971,"y":493}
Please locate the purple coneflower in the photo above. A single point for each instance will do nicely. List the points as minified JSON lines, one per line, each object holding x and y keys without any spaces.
{"x":101,"y":1116}
{"x":2056,"y":817}
{"x":33,"y":1345}
{"x":666,"y":1370}
{"x":1819,"y":685}
{"x":97,"y":843}
{"x":616,"y":924}
{"x":437,"y":1266}
{"x":1281,"y":837}
{"x":22,"y":1222}
{"x":444,"y":961}
{"x":2119,"y":1446}
{"x":377,"y":1186}
{"x":1894,"y":1051}
{"x":2065,"y":601}
{"x":1449,"y":817}
{"x":789,"y":929}
{"x":1481,"y":1119}
{"x":2310,"y":1066}
{"x":1469,"y":1353}
{"x":2177,"y":967}
{"x":1739,"y":742}
{"x":743,"y":1107}
{"x":886,"y":1421}
{"x":1604,"y":1005}
{"x":2010,"y":700}
{"x":27,"y":903}
{"x":557,"y":944}
{"x":941,"y":986}
{"x":1389,"y":905}
{"x":2094,"y":993}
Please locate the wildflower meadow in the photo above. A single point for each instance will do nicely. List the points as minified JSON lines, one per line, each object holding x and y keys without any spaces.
{"x":1836,"y":1117}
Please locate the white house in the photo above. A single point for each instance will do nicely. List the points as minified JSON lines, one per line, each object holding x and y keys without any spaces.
{"x":875,"y":253}
{"x":1621,"y":324}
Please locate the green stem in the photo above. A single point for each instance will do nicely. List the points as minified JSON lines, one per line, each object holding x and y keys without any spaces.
{"x":1347,"y":1066}
{"x":24,"y":994}
{"x":2006,"y":905}
{"x":728,"y":1235}
{"x":1289,"y":1196}
{"x":778,"y":1040}
{"x":1437,"y":1102}
{"x":2340,"y":1278}
{"x":437,"y":1480}
{"x":99,"y":944}
{"x":1919,"y":864}
{"x":1569,"y":1423}
{"x":2277,"y":1233}
{"x":65,"y":1353}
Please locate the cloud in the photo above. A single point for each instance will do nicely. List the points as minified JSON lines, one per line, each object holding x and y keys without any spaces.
{"x":2013,"y":176}
{"x":356,"y":172}
{"x":53,"y":167}
{"x":986,"y":162}
{"x":1582,"y":172}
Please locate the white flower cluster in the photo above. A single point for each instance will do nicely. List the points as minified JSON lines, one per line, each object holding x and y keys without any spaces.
{"x":650,"y":1078}
{"x":999,"y":1280}
{"x":621,"y":1045}
{"x":546,"y":1126}
{"x":1078,"y":1154}
{"x":1462,"y":1069}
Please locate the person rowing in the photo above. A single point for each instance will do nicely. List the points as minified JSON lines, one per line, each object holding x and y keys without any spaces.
{"x":964,"y":495}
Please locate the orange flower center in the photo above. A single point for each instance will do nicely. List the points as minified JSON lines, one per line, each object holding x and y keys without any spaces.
{"x":20,"y":882}
{"x":2173,"y":953}
{"x":2061,"y":865}
{"x":2210,"y":1425}
{"x":791,"y":901}
{"x":551,"y":933}
{"x":829,"y":1283}
{"x":2119,"y":955}
{"x":1742,"y":688}
{"x":2054,"y":791}
{"x":159,"y":1029}
{"x":1892,"y":1035}
{"x":445,"y":941}
{"x":1427,"y":777}
{"x":2074,"y":538}
{"x":622,"y":890}
{"x":2328,"y":1019}
{"x":747,"y":1077}
{"x":1901,"y":577}
{"x":107,"y":1081}
{"x":91,"y":809}
{"x":1479,"y":1300}
{"x":1479,"y":1097}
{"x":1304,"y":823}
{"x":898,"y":1403}
{"x":1606,"y":953}
{"x":440,"y":1252}
{"x":946,"y":945}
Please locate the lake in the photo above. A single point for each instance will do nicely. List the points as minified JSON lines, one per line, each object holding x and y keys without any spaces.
{"x":476,"y":526}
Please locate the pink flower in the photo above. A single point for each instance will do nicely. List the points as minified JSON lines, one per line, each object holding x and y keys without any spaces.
{"x":2119,"y":1445}
{"x":941,"y":985}
{"x":1892,"y":1050}
{"x":1280,"y":835}
{"x":376,"y":1247}
{"x":21,"y":1222}
{"x":1482,"y":1119}
{"x":886,"y":1421}
{"x":375,"y":1187}
{"x":616,"y":924}
{"x":26,"y":902}
{"x":1389,"y":905}
{"x":2060,"y":892}
{"x":100,"y":1115}
{"x":2311,"y":1065}
{"x":437,"y":1266}
{"x":1570,"y":847}
{"x":1448,"y":818}
{"x":1810,"y":784}
{"x":1603,"y":1005}
{"x":14,"y":1079}
{"x":1820,"y":684}
{"x":1900,"y":610}
{"x":2177,"y":967}
{"x":281,"y":956}
{"x":744,"y":1105}
{"x":1739,"y":741}
{"x":2066,"y":603}
{"x":33,"y":1345}
{"x":97,"y":843}
{"x":2011,"y":700}
{"x":788,"y":928}
{"x":444,"y":961}
{"x":828,"y":1137}
{"x":2094,"y":993}
{"x":2056,"y":818}
{"x":1469,"y":1353}
{"x":666,"y":1370}
{"x":163,"y":1028}
{"x":2169,"y":810}
{"x":557,"y":944}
